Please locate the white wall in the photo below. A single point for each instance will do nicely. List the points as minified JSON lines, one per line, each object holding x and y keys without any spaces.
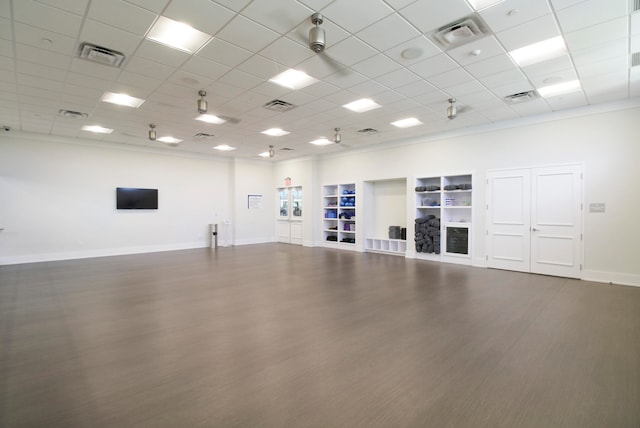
{"x":251,"y":226}
{"x":57,"y":200}
{"x":606,"y":144}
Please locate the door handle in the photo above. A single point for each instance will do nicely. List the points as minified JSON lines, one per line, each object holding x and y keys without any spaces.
{"x":533,"y":229}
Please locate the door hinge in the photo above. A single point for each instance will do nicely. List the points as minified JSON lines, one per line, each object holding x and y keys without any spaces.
{"x":580,"y":266}
{"x":486,"y":257}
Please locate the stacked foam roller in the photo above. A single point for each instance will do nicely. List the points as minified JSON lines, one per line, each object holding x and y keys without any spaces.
{"x":427,"y":235}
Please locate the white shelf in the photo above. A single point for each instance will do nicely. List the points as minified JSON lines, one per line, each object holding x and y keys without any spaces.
{"x":386,"y":246}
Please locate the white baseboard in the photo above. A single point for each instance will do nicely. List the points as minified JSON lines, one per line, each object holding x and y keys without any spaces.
{"x":611,"y":277}
{"x":71,"y":255}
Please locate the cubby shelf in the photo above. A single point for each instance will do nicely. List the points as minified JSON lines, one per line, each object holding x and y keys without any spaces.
{"x":447,"y":202}
{"x":339,"y":215}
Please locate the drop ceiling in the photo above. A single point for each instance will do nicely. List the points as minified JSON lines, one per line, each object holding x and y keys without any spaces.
{"x":382,"y":50}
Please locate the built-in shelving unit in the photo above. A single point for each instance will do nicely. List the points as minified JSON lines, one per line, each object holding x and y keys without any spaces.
{"x":387,"y":246}
{"x":443,"y":218}
{"x":384,"y":222}
{"x":339,"y":215}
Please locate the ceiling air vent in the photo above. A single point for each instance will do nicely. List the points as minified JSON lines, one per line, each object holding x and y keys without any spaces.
{"x":278,"y":105}
{"x":521,"y":97}
{"x":635,"y":58}
{"x":367,"y":131}
{"x":635,"y":4}
{"x":101,"y":55}
{"x":460,"y":32}
{"x":203,"y":136}
{"x":72,"y":114}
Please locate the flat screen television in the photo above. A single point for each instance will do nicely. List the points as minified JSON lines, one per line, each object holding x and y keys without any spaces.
{"x":128,"y":198}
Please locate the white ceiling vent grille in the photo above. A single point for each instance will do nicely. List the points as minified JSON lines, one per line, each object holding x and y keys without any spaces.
{"x":521,"y":97}
{"x":101,"y":55}
{"x":635,"y":58}
{"x":635,"y":5}
{"x":460,"y":32}
{"x":278,"y":105}
{"x":72,"y":114}
{"x":367,"y":131}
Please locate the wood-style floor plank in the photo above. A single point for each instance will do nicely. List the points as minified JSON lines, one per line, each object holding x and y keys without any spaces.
{"x":275,"y":335}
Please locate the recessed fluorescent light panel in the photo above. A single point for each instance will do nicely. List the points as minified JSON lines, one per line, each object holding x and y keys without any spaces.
{"x":362,"y":105}
{"x":97,"y":129}
{"x":560,"y":89}
{"x":264,"y":154}
{"x":122,"y":99}
{"x":539,"y":52}
{"x":406,"y":123}
{"x":169,"y":140}
{"x":177,"y":35}
{"x":483,"y":4}
{"x":293,"y":79}
{"x":224,"y":148}
{"x":211,"y":118}
{"x":275,"y":132}
{"x":321,"y":142}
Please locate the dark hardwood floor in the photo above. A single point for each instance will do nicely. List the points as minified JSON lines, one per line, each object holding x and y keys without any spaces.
{"x":286,"y":336}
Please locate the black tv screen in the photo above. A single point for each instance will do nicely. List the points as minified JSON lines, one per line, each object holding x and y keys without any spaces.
{"x":128,"y":198}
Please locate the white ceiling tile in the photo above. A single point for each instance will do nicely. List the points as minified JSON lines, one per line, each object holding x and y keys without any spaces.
{"x":605,"y":88}
{"x":236,"y":5}
{"x":450,"y":78}
{"x":33,"y":69}
{"x":77,"y":7}
{"x":416,"y":89}
{"x":466,"y":88}
{"x":161,"y":53}
{"x":389,"y":32}
{"x":6,"y":51}
{"x":203,"y":15}
{"x":490,"y":66}
{"x":39,"y":82}
{"x":548,"y":68}
{"x":590,"y":13}
{"x":41,"y":56}
{"x":247,"y":34}
{"x":155,"y":6}
{"x":270,"y":90}
{"x":240,"y":79}
{"x":279,"y":15}
{"x":354,"y":15}
{"x":634,"y":43}
{"x":538,"y":106}
{"x":5,"y":29}
{"x":502,"y":91}
{"x":601,"y":52}
{"x":320,"y":89}
{"x":479,"y":99}
{"x":468,"y":54}
{"x":93,"y":69}
{"x":87,"y":82}
{"x":563,"y":102}
{"x":287,"y":52}
{"x":193,"y":81}
{"x":635,"y":23}
{"x":598,"y":34}
{"x":434,"y":99}
{"x":562,"y":4}
{"x":224,"y":52}
{"x":35,"y":37}
{"x":398,"y":78}
{"x":149,"y":68}
{"x":428,"y":15}
{"x":124,"y":16}
{"x":511,"y":13}
{"x":50,"y":18}
{"x":345,"y":79}
{"x":553,"y":78}
{"x":5,"y":9}
{"x":262,"y":67}
{"x":201,"y":66}
{"x":350,"y":51}
{"x":504,"y":77}
{"x":539,"y":29}
{"x":109,"y":37}
{"x":421,"y":46}
{"x":376,"y":66}
{"x":433,"y":66}
{"x":610,"y":65}
{"x":7,"y":76}
{"x":399,"y":4}
{"x":129,"y":82}
{"x":319,"y":66}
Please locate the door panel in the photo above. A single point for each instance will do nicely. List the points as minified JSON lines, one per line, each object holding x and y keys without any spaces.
{"x":508,"y":197}
{"x":556,"y":220}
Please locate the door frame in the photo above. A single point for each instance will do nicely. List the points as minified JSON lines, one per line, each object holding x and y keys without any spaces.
{"x":581,"y":167}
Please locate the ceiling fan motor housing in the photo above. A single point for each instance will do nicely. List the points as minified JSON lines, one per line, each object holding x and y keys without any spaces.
{"x":317,"y":40}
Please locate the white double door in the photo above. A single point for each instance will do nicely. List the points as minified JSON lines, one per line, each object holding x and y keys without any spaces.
{"x":534,"y":220}
{"x":289,"y":220}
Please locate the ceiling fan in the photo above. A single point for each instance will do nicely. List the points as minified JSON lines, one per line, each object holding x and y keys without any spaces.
{"x":318,"y":42}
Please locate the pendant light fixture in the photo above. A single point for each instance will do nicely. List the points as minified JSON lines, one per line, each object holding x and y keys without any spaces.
{"x":202,"y":103}
{"x":337,"y":137}
{"x":452,"y":112}
{"x":152,"y":132}
{"x":272,"y":152}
